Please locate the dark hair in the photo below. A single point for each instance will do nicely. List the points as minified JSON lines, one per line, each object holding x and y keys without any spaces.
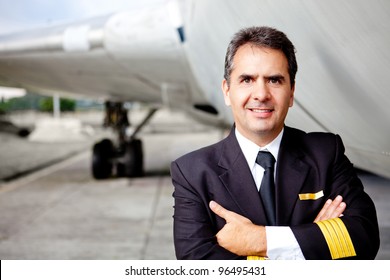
{"x":261,"y":36}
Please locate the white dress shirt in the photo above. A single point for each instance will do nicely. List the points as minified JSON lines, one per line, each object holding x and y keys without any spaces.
{"x":281,"y":242}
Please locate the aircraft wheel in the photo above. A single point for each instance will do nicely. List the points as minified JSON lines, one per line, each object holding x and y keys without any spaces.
{"x":133,"y":160}
{"x":101,"y":159}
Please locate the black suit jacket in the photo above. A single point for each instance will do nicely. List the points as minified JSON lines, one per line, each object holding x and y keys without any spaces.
{"x":308,"y":165}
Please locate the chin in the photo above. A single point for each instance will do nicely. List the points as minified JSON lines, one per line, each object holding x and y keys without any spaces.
{"x":262,"y":128}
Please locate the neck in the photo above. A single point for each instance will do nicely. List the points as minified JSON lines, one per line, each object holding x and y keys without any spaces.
{"x":263,"y":138}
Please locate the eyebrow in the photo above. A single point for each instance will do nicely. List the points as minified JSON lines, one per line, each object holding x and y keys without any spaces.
{"x":246,"y":76}
{"x":276,"y":76}
{"x":255,"y":76}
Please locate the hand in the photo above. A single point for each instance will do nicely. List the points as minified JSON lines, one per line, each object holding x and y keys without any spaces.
{"x":331,"y":209}
{"x":240,"y":235}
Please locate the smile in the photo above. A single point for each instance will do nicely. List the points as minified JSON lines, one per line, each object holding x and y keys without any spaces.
{"x":262,"y":110}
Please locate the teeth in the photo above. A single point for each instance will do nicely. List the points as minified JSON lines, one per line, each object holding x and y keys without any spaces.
{"x":261,"y":110}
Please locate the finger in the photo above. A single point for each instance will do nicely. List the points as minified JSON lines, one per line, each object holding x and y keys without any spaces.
{"x":339,"y":210}
{"x":323,"y":210}
{"x":332,"y":211}
{"x":219,"y":210}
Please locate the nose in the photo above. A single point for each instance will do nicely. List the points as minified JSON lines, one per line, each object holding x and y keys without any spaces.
{"x":261,"y":92}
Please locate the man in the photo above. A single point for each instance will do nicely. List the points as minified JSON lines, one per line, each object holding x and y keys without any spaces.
{"x":307,"y":203}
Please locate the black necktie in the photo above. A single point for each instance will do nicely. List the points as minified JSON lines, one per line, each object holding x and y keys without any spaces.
{"x":267,"y":187}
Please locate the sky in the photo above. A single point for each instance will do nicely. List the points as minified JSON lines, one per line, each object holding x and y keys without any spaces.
{"x":18,"y":15}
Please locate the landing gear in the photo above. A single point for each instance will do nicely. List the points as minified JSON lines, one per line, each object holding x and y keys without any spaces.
{"x":131,"y":164}
{"x":103,"y":152}
{"x":124,"y":159}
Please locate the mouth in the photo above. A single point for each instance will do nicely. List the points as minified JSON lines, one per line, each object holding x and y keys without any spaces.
{"x":261,"y":110}
{"x":261,"y":113}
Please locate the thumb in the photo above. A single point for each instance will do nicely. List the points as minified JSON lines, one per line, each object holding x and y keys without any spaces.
{"x":219,"y":210}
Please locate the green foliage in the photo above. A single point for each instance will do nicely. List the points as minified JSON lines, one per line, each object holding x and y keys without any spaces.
{"x":35,"y":102}
{"x":46,"y":105}
{"x":17,"y":103}
{"x":3,"y":106}
{"x":27,"y":102}
{"x":66,"y":105}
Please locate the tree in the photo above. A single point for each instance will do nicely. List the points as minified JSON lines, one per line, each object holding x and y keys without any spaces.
{"x":66,"y":105}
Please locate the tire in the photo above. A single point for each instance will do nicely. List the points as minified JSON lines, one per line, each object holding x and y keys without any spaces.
{"x":101,"y":159}
{"x":132,"y":166}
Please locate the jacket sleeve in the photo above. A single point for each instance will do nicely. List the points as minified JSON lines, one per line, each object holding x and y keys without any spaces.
{"x":356,"y":233}
{"x":194,"y":237}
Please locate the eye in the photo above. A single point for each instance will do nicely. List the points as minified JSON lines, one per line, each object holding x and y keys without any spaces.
{"x":247,"y":80}
{"x":275,"y":80}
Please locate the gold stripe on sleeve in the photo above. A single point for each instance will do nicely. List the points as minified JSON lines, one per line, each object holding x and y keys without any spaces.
{"x":256,"y":258}
{"x":350,"y":249}
{"x":337,"y":237}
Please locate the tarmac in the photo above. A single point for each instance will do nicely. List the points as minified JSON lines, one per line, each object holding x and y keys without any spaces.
{"x":52,"y":209}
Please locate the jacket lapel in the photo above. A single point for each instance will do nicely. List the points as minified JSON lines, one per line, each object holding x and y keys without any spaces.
{"x":290,"y":176}
{"x":239,"y":182}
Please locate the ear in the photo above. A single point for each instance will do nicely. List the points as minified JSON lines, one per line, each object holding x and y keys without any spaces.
{"x":225,"y":90}
{"x":291,"y":103}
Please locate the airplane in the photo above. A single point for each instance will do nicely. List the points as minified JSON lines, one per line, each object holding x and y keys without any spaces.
{"x":172,"y":55}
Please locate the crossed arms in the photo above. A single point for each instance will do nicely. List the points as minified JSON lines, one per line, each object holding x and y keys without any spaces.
{"x":241,"y":237}
{"x":205,"y":230}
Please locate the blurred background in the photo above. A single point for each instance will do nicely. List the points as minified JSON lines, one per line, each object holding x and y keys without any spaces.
{"x":53,"y":205}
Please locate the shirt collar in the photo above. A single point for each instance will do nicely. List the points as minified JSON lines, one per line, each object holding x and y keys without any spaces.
{"x":251,"y":149}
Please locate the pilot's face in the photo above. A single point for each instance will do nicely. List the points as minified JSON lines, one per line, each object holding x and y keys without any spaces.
{"x":259,"y":93}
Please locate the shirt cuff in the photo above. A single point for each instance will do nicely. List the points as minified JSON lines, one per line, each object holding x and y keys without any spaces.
{"x":282,"y":244}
